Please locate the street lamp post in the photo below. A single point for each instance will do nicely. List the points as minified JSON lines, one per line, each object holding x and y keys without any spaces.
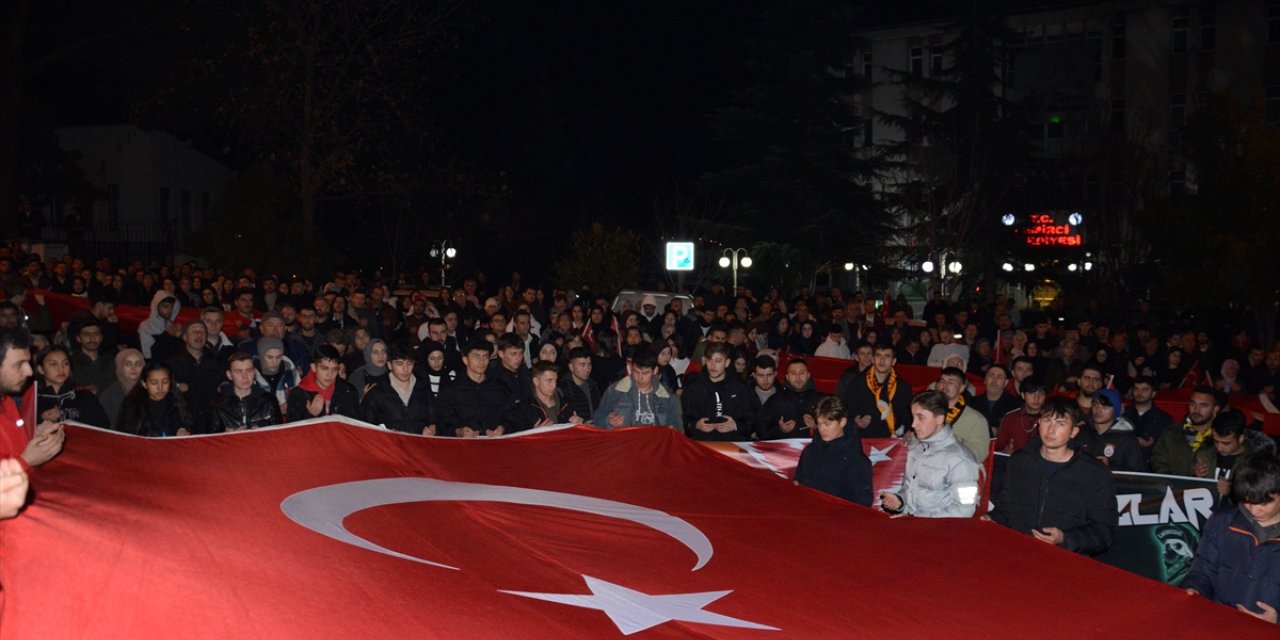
{"x":734,"y":258}
{"x":446,"y":252}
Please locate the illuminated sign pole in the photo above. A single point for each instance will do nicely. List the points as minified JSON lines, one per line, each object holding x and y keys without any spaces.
{"x":680,"y":260}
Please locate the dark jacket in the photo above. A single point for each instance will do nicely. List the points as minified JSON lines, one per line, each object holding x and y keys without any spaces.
{"x":858,"y":397}
{"x":77,"y":405}
{"x":467,"y":403}
{"x":382,"y":405}
{"x":838,"y":467}
{"x":1079,"y":499}
{"x":583,"y":400}
{"x":1237,"y":562}
{"x":142,"y":416}
{"x":258,"y":409}
{"x":202,"y":378}
{"x":519,"y":383}
{"x":706,"y":399}
{"x":996,"y":411}
{"x":343,"y":403}
{"x":1118,"y":445}
{"x":525,"y":413}
{"x":790,"y":404}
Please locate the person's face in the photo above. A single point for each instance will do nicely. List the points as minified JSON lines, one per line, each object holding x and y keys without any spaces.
{"x":1033,"y":401}
{"x":883,"y":360}
{"x":924,"y":422}
{"x":1266,"y":513}
{"x":1102,"y":414}
{"x":378,"y":355}
{"x":716,"y":336}
{"x":290,"y":314}
{"x":212,"y":323}
{"x":1273,"y":360}
{"x":56,"y":368}
{"x":829,"y":429}
{"x":271,"y":360}
{"x":1143,"y":393}
{"x":244,"y":304}
{"x":764,"y":378}
{"x":717,"y":363}
{"x":157,"y":384}
{"x":361,"y":339}
{"x":241,"y":374}
{"x":1255,"y":357}
{"x":580,"y":368}
{"x":643,"y":376}
{"x":797,"y":375}
{"x":437,"y":332}
{"x":477,"y":362}
{"x":326,"y":373}
{"x":1201,"y":410}
{"x":165,"y":309}
{"x":547,"y":353}
{"x":358,"y":300}
{"x":1228,"y":445}
{"x":272,"y":328}
{"x":1056,"y":431}
{"x":545,"y":383}
{"x":435,"y":360}
{"x":664,"y":356}
{"x":90,"y":339}
{"x":511,"y":358}
{"x":195,"y":337}
{"x":1090,"y":382}
{"x":996,"y":378}
{"x":951,"y":386}
{"x":307,"y":319}
{"x":498,"y":324}
{"x":402,"y":370}
{"x":1230,"y":370}
{"x":131,"y":367}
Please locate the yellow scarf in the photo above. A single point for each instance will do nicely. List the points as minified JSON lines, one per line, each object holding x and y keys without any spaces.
{"x":884,"y":406}
{"x":1200,"y":436}
{"x":954,"y":412}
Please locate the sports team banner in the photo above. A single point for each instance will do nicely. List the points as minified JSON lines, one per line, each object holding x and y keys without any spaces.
{"x":1160,"y":521}
{"x":339,"y":530}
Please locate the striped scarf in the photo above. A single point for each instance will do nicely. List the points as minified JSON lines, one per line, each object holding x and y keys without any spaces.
{"x":886,"y":410}
{"x":954,"y":412}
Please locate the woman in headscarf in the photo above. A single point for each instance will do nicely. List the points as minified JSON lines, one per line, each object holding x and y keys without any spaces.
{"x":374,"y":369}
{"x":129,"y":363}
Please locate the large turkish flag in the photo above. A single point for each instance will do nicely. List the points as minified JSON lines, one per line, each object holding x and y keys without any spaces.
{"x":336,"y":530}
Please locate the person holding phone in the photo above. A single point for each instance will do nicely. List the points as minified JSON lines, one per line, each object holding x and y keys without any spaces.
{"x":1055,"y":493}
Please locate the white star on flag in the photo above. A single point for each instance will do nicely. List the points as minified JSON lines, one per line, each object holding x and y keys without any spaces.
{"x":632,"y":611}
{"x":881,"y":455}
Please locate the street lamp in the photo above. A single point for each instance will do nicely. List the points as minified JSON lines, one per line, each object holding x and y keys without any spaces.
{"x":445,"y":251}
{"x":735,"y":258}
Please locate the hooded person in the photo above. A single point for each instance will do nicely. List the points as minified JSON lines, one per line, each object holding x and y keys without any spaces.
{"x":432,"y":369}
{"x":276,"y":373}
{"x":129,"y":364}
{"x":373,"y":371}
{"x":158,"y":334}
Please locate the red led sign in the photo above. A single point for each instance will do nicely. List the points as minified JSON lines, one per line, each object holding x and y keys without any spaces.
{"x":1046,"y":230}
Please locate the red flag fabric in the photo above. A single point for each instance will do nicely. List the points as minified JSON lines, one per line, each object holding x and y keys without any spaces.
{"x":826,"y":373}
{"x":335,"y":530}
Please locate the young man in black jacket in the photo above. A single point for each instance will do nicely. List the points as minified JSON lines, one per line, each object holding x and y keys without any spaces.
{"x":243,"y":405}
{"x":403,"y":402}
{"x":321,"y":392}
{"x":789,"y":413}
{"x":1056,"y":494}
{"x":475,"y":403}
{"x":834,"y":462}
{"x":716,"y":406}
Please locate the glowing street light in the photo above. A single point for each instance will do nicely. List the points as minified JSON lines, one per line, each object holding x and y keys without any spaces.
{"x":1029,"y":267}
{"x":735,"y":258}
{"x":1007,"y":267}
{"x":955,"y":267}
{"x":446,"y":252}
{"x":1008,"y":219}
{"x":927,"y":266}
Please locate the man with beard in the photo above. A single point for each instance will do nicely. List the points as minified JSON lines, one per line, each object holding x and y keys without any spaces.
{"x":1090,"y":382}
{"x":1175,"y":451}
{"x":32,"y":446}
{"x":1148,"y":420}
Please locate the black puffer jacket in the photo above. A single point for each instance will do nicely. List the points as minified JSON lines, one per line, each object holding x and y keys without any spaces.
{"x":838,"y":467}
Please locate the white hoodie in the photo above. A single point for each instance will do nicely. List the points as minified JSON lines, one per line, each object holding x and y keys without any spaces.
{"x":155,"y":325}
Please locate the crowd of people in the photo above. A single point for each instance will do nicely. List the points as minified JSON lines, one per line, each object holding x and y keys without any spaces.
{"x":1070,"y":401}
